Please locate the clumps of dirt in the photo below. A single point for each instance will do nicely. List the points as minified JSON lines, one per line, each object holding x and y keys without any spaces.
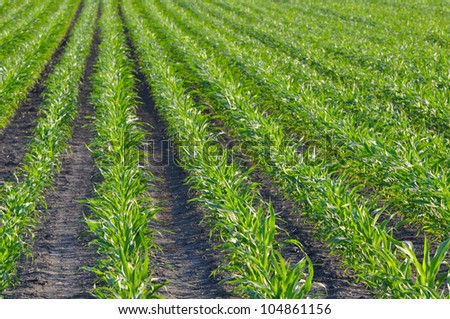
{"x":187,"y":258}
{"x":60,"y":249}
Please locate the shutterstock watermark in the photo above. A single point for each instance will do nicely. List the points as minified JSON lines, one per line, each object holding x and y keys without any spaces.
{"x":157,"y":153}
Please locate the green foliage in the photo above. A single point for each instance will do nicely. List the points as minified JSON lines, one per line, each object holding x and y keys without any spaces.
{"x":370,"y":138}
{"x":25,"y":53}
{"x":331,"y":196}
{"x":343,"y":104}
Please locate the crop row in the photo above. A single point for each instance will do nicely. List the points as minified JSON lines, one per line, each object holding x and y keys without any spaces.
{"x":12,"y":22}
{"x":417,"y":92}
{"x":420,"y":98}
{"x":9,"y":8}
{"x":346,"y":220}
{"x":25,"y":55}
{"x":244,"y":223}
{"x":121,"y":207}
{"x":21,"y":199}
{"x":15,"y":32}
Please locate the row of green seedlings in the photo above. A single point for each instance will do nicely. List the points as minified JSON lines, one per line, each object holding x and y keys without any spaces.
{"x":360,"y":72}
{"x":348,"y":222}
{"x":25,"y":56}
{"x":21,"y":200}
{"x":244,"y":223}
{"x":17,"y":31}
{"x":362,"y":77}
{"x":405,"y":75}
{"x":378,"y":155}
{"x":381,"y":28}
{"x":410,"y":167}
{"x":17,"y":17}
{"x":121,"y":207}
{"x":412,"y":18}
{"x":416,"y":180}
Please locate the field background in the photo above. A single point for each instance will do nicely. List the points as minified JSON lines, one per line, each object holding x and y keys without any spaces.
{"x":224,"y":149}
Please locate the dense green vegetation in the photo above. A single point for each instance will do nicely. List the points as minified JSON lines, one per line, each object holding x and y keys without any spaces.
{"x":25,"y":52}
{"x":333,"y":197}
{"x":245,"y":224}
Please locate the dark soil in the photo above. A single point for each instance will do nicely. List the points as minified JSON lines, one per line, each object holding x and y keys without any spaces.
{"x":187,"y":257}
{"x":60,"y":247}
{"x":16,"y":136}
{"x":330,"y":279}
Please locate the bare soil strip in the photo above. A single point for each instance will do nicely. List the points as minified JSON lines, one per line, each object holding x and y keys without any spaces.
{"x":61,"y":245}
{"x":16,"y":136}
{"x":187,"y":257}
{"x":329,"y":275}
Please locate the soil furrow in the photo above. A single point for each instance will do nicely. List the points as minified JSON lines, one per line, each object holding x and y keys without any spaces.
{"x":16,"y":136}
{"x":60,"y":249}
{"x":187,"y":257}
{"x":330,"y":278}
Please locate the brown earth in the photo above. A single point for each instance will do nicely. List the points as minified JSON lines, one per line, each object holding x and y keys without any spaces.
{"x":60,"y":247}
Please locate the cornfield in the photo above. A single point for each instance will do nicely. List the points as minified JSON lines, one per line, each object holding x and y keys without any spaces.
{"x":298,"y":135}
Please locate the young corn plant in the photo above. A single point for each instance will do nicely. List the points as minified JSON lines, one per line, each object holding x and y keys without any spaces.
{"x":121,"y":208}
{"x":428,"y":271}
